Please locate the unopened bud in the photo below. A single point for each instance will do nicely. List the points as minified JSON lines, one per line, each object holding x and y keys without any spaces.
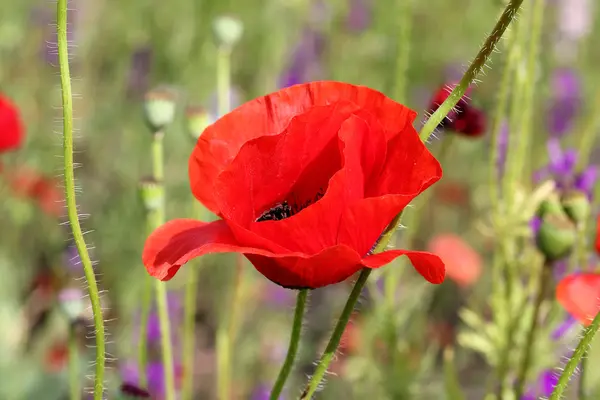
{"x":228,"y":30}
{"x":152,"y":194}
{"x":577,"y":206}
{"x":197,"y":121}
{"x":551,"y":206}
{"x":556,"y":237}
{"x":159,"y":107}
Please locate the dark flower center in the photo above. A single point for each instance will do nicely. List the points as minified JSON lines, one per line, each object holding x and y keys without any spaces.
{"x":286,"y":209}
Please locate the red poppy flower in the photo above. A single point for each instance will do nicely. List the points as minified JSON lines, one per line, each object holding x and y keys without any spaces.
{"x":465,"y":119}
{"x":579,"y":294}
{"x":28,"y":183}
{"x":463,"y":264}
{"x":305,"y":180}
{"x":11,"y":129}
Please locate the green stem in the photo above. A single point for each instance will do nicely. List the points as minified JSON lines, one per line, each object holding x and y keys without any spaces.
{"x":189,"y":331}
{"x":69,"y":179}
{"x":74,"y":382}
{"x":156,"y":219}
{"x":223,"y":80}
{"x":581,"y":394}
{"x":474,"y":69}
{"x":404,"y":22}
{"x":336,"y":336}
{"x":238,"y":289}
{"x":578,"y":355}
{"x":545,"y":279}
{"x":286,"y":369}
{"x":146,"y":304}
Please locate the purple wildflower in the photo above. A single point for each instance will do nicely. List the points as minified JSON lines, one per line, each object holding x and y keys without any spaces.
{"x":562,"y":169}
{"x":544,"y":386}
{"x":305,"y":59}
{"x":175,"y":315}
{"x":565,"y":102}
{"x":359,"y":15}
{"x":155,"y":377}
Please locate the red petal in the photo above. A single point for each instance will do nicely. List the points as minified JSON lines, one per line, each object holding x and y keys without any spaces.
{"x":180,"y":240}
{"x":316,"y":227}
{"x":579,"y":294}
{"x":11,"y":129}
{"x":463,"y":264}
{"x":269,"y":115}
{"x":430,"y":266}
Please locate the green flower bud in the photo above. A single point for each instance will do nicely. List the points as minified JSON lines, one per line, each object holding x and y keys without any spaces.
{"x":159,"y":107}
{"x":152,"y":194}
{"x":228,"y":30}
{"x":551,"y":206}
{"x":577,"y":206}
{"x":556,"y":237}
{"x":197,"y":121}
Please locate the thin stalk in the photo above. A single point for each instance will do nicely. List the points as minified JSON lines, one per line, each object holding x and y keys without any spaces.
{"x":404,"y":23}
{"x":474,"y":69}
{"x":580,"y":352}
{"x":545,"y":280}
{"x":581,"y":393}
{"x":288,"y":364}
{"x":146,"y":304}
{"x":189,"y":323}
{"x":69,"y":180}
{"x":156,"y":219}
{"x":238,"y":290}
{"x":74,"y":381}
{"x":223,"y":339}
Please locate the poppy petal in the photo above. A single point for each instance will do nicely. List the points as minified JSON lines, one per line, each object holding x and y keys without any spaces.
{"x":269,"y":115}
{"x":317,"y":226}
{"x":430,"y":266}
{"x":463,"y":263}
{"x":579,"y":294}
{"x":11,"y":127}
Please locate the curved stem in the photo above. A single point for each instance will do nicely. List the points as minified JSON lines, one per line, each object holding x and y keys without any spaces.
{"x":74,"y":382}
{"x":579,"y":353}
{"x":545,"y":279}
{"x":336,"y":336}
{"x":156,"y":219}
{"x":284,"y":373}
{"x":474,"y":69}
{"x":69,"y":179}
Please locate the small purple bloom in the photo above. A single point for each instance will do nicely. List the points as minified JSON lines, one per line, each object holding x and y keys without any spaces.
{"x":175,"y":316}
{"x":544,"y":387}
{"x":304,"y":60}
{"x":562,"y":169}
{"x":155,"y":377}
{"x":565,"y":103}
{"x":564,"y":327}
{"x":359,"y":15}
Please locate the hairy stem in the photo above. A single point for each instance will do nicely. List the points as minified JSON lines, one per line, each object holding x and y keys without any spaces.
{"x":580,"y":352}
{"x":286,"y":369}
{"x":69,"y":180}
{"x":545,"y":280}
{"x":474,"y":69}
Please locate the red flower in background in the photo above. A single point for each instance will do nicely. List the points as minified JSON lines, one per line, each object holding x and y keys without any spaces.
{"x":28,"y":183}
{"x":463,"y":264}
{"x":305,"y":180}
{"x":11,"y":129}
{"x":465,"y":119}
{"x":579,"y":294}
{"x":598,"y":235}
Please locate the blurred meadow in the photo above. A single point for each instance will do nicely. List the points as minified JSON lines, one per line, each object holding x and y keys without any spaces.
{"x":408,"y":339}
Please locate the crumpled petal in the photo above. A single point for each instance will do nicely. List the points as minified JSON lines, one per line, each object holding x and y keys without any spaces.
{"x":429,"y":265}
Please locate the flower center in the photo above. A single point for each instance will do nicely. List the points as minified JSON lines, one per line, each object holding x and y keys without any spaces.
{"x":286,"y":209}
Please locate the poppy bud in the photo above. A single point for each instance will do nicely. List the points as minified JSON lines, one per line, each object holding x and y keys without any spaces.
{"x":577,"y":206}
{"x":556,"y":236}
{"x":159,"y":108}
{"x":228,"y":30}
{"x":551,"y":206}
{"x":152,"y":194}
{"x":70,"y":301}
{"x":197,"y":120}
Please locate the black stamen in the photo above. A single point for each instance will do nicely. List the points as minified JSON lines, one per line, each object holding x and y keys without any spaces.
{"x":284,"y":210}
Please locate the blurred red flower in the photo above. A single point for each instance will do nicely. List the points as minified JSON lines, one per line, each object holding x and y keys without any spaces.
{"x":11,"y":128}
{"x":57,"y":357}
{"x":463,"y":264}
{"x":453,"y":193}
{"x":579,"y":294}
{"x":305,"y":180}
{"x":465,"y":119}
{"x":28,"y":183}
